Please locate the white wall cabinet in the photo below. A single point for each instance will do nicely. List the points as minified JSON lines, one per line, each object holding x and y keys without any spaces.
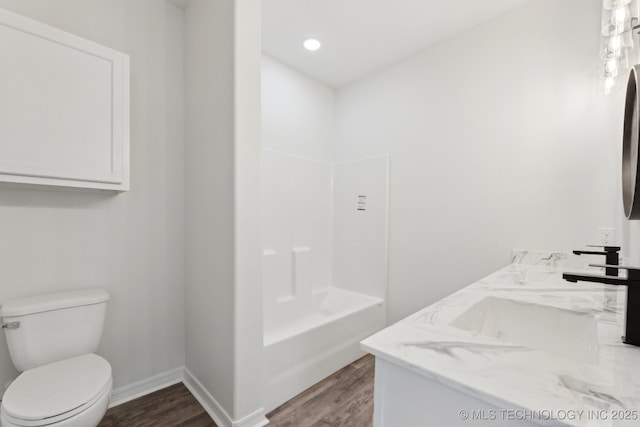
{"x":64,"y":108}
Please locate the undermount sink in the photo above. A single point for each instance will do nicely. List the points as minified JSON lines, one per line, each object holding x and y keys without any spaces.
{"x":554,"y":330}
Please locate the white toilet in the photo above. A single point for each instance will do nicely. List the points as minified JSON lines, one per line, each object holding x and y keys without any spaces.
{"x":52,"y":340}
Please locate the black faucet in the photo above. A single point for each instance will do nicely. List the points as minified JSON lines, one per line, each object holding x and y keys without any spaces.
{"x":611,"y":254}
{"x":632,"y":282}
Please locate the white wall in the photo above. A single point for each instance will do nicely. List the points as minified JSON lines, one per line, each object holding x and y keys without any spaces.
{"x":498,"y":139}
{"x":223,"y":245}
{"x":248,"y":369}
{"x":298,"y":113}
{"x":209,"y":197}
{"x":131,"y":244}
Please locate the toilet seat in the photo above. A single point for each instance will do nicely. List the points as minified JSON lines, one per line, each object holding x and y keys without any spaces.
{"x":52,"y":393}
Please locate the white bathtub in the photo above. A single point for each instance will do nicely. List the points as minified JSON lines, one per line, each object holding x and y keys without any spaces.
{"x":306,"y":340}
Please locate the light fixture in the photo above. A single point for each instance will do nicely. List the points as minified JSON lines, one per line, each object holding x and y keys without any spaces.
{"x":610,"y":4}
{"x":609,"y":82}
{"x":619,"y":20}
{"x":620,"y":15}
{"x":312,"y":44}
{"x":614,"y":46}
{"x":611,"y":67}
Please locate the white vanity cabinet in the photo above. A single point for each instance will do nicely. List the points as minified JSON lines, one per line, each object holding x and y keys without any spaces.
{"x":404,"y":398}
{"x":64,"y":108}
{"x":492,"y":354}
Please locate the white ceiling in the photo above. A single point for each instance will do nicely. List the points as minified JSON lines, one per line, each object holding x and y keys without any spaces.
{"x":360,"y":36}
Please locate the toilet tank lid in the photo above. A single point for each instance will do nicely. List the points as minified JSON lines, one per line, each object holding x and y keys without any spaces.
{"x":49,"y":302}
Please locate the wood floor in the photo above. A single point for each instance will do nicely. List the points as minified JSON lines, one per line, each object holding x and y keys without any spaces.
{"x":171,"y":406}
{"x":344,"y":399}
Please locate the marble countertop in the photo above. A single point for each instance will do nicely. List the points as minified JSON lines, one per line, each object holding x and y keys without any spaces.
{"x":602,"y":383}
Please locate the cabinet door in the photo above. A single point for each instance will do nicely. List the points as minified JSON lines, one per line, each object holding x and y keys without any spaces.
{"x":64,"y":108}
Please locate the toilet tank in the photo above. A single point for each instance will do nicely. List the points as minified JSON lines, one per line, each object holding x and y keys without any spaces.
{"x":47,"y":328}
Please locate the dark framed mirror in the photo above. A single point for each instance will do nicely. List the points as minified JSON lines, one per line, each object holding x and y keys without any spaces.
{"x":630,"y":174}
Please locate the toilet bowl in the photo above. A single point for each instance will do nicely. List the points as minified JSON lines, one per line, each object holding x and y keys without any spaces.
{"x":52,"y":340}
{"x":71,"y":393}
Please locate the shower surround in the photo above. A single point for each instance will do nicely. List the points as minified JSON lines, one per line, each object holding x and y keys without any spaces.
{"x":324,"y":266}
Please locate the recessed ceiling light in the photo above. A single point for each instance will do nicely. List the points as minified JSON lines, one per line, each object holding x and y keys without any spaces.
{"x":312,"y":44}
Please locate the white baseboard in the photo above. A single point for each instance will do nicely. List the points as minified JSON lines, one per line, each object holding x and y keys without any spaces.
{"x":174,"y":376}
{"x":216,"y":411}
{"x":146,"y":386}
{"x":257,"y":419}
